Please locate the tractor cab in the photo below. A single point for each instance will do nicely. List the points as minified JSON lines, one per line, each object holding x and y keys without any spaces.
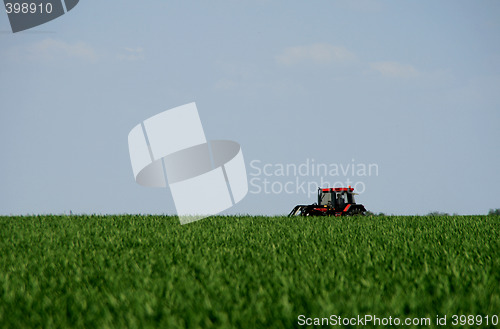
{"x":337,"y":198}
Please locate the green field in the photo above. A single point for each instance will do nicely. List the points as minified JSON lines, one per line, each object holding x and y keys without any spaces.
{"x":243,"y":272}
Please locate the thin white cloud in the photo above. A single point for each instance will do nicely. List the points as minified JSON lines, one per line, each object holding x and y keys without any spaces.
{"x":51,"y":49}
{"x":319,"y":53}
{"x":132,"y":54}
{"x":395,"y":69}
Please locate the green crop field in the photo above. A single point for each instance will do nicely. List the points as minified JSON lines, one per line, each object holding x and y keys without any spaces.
{"x":244,"y":272}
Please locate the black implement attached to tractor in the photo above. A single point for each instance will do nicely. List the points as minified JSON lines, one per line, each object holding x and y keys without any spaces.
{"x":331,"y":202}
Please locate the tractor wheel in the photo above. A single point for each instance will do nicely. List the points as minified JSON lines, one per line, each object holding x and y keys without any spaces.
{"x":357,"y":212}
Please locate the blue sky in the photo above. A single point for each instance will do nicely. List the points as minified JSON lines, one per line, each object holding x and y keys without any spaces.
{"x":412,"y":87}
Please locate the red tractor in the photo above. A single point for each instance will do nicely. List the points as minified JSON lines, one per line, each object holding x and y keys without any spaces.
{"x":337,"y":201}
